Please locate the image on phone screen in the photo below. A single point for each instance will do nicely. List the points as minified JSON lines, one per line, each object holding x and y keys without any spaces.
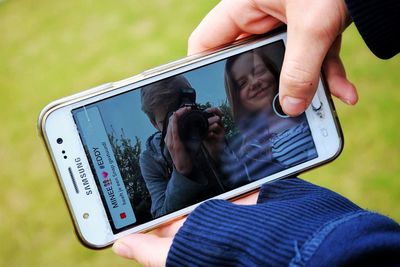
{"x":190,"y":137}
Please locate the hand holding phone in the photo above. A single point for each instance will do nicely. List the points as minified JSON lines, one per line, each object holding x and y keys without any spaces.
{"x":131,"y":164}
{"x":159,"y":240}
{"x":311,"y":44}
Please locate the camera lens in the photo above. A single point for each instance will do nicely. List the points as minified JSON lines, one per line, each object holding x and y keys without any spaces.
{"x":59,"y":141}
{"x":193,"y":126}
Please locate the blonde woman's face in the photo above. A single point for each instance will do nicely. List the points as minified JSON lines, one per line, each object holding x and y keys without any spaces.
{"x":255,"y":81}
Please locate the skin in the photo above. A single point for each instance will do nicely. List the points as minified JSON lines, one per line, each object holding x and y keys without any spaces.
{"x":255,"y":82}
{"x":216,"y":132}
{"x":313,"y":42}
{"x":151,"y":249}
{"x":182,"y":159}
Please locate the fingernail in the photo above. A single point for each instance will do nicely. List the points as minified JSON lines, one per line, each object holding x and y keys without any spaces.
{"x":293,"y":105}
{"x":121,"y":249}
{"x":351,"y":101}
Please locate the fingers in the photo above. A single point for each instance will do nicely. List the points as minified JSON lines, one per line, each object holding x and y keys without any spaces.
{"x":215,"y":128}
{"x":335,"y":76}
{"x":168,"y":137}
{"x":300,"y":71}
{"x":172,"y":137}
{"x":142,"y":248}
{"x":215,"y":133}
{"x":174,"y":124}
{"x":214,"y":119}
{"x":182,"y":111}
{"x":307,"y":46}
{"x":248,"y":199}
{"x":169,"y":230}
{"x":176,"y":148}
{"x":228,"y":21}
{"x":174,"y":129}
{"x":215,"y":111}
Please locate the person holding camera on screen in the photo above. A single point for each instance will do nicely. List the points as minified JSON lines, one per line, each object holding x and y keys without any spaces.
{"x":179,"y":164}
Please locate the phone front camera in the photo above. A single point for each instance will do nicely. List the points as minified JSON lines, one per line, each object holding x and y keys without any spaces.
{"x":59,"y":141}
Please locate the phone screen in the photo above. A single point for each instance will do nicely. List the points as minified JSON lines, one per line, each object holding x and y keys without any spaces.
{"x":181,"y":140}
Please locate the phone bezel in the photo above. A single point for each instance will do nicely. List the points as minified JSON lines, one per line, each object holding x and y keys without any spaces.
{"x":101,"y":235}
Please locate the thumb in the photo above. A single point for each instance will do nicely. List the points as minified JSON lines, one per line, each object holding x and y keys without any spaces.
{"x":305,"y":51}
{"x":147,"y":249}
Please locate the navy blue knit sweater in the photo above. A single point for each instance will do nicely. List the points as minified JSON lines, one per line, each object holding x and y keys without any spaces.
{"x":295,"y":223}
{"x":378,"y":22}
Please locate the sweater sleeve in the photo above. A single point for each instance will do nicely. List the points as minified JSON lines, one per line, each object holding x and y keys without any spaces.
{"x":290,"y":224}
{"x":378,"y":23}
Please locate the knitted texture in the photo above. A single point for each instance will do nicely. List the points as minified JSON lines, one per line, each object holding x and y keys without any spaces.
{"x":289,"y":225}
{"x":378,"y":23}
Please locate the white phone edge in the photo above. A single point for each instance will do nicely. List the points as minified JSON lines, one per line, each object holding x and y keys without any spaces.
{"x":56,"y":119}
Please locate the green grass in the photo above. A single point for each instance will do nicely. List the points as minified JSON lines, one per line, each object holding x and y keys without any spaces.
{"x":49,"y":49}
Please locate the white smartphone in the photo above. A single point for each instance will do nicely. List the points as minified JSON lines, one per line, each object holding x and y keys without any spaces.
{"x":135,"y":154}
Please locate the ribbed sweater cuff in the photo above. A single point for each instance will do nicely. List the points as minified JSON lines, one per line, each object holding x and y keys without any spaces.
{"x":378,"y":23}
{"x":267,"y":234}
{"x":359,"y":239}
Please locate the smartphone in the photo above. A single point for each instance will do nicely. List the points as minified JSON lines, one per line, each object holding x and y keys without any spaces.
{"x":134,"y":154}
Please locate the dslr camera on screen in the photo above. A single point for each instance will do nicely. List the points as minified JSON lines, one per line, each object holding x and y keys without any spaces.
{"x":192,"y":125}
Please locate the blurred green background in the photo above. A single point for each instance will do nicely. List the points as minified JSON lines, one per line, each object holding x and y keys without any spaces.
{"x":50,"y":49}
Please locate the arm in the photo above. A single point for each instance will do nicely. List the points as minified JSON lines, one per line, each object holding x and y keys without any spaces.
{"x":378,"y":23}
{"x":295,"y":223}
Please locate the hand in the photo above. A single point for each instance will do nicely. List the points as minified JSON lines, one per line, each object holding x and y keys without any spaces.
{"x":181,"y":158}
{"x":216,"y":133}
{"x":152,"y":249}
{"x":313,"y":40}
